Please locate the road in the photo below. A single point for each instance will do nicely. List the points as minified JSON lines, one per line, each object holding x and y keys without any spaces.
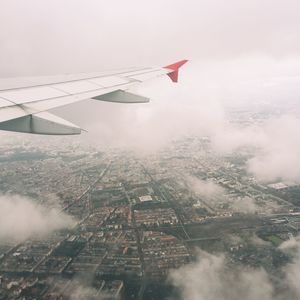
{"x":89,"y":188}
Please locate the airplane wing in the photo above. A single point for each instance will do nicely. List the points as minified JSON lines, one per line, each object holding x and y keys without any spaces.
{"x":24,"y":102}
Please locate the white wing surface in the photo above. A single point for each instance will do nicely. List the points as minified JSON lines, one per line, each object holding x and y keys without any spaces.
{"x":24,"y":102}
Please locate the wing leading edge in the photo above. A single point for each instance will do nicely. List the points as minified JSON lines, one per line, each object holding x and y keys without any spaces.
{"x":23,"y":105}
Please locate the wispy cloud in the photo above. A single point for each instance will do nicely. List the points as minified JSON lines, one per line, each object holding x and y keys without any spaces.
{"x":212,"y":277}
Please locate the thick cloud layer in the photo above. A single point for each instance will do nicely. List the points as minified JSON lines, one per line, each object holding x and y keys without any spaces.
{"x":22,"y":218}
{"x":198,"y":106}
{"x":243,"y":55}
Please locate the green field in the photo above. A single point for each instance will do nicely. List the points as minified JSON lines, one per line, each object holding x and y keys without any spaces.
{"x":275,"y":240}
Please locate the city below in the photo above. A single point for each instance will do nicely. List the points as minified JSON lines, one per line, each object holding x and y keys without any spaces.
{"x":129,"y":222}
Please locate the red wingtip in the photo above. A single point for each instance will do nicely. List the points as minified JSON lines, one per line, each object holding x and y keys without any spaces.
{"x":175,"y":67}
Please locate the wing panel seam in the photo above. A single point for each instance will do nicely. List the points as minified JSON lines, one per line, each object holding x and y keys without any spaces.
{"x":67,"y":81}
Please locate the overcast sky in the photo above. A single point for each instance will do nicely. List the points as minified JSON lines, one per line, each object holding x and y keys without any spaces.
{"x":76,"y":35}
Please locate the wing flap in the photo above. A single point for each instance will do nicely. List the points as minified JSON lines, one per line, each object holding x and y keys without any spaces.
{"x":121,"y":96}
{"x":41,"y":123}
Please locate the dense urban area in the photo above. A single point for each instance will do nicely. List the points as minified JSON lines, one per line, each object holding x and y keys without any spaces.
{"x":137,"y":218}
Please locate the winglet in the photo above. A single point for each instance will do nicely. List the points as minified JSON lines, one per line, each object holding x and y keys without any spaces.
{"x":175,"y":68}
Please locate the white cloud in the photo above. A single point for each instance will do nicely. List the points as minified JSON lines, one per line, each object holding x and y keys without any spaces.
{"x":280,"y":148}
{"x":212,"y":277}
{"x":81,"y":292}
{"x":245,"y":205}
{"x":204,"y":188}
{"x":22,"y":218}
{"x":81,"y":288}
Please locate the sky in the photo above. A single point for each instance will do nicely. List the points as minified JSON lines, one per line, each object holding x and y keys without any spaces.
{"x":43,"y":37}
